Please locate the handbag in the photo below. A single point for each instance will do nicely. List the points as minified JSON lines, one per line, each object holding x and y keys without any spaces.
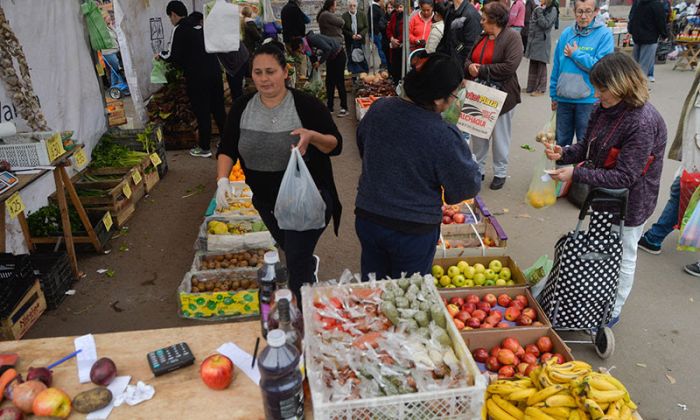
{"x":487,"y":82}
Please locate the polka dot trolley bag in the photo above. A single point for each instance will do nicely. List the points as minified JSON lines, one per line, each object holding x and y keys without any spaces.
{"x":581,"y":289}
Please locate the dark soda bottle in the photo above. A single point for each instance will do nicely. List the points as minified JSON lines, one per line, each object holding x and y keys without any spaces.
{"x":280,"y":379}
{"x":285,"y":324}
{"x":267,"y":277}
{"x":296,"y":316}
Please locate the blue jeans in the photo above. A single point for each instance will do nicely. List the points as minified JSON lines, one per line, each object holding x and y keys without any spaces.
{"x":645,"y":55}
{"x":377,"y":39}
{"x":115,"y":77}
{"x":572,"y":118}
{"x":669,"y":217}
{"x":387,"y":252}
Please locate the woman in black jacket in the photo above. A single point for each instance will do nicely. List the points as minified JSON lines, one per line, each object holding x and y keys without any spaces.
{"x":260,"y":131}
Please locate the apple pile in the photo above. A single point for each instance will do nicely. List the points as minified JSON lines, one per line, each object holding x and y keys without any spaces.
{"x":491,"y":312}
{"x":465,"y":275}
{"x":452,"y":214}
{"x":510,"y":358}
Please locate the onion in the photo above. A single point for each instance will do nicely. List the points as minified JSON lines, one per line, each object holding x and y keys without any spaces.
{"x":40,"y":374}
{"x":10,"y":387}
{"x":24,"y":394}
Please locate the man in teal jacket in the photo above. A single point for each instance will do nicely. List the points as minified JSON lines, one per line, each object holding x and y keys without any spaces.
{"x":580,"y":46}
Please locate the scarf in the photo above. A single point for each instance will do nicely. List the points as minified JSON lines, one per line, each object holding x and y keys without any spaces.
{"x":353,"y":17}
{"x":583,"y":31}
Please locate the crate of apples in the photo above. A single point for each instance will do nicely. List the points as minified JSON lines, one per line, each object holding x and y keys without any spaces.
{"x":509,"y":358}
{"x":490,"y":311}
{"x":462,"y":274}
{"x":454,"y":214}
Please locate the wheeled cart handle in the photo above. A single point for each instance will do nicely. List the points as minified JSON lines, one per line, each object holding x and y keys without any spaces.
{"x":616,"y":197}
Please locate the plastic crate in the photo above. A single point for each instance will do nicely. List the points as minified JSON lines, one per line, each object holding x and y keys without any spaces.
{"x":26,"y":149}
{"x":16,"y":278}
{"x":55,"y":275}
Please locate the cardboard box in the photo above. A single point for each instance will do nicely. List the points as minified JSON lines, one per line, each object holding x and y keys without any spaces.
{"x":492,"y":338}
{"x":24,"y":315}
{"x":516,"y":274}
{"x":223,"y":304}
{"x":485,"y":238}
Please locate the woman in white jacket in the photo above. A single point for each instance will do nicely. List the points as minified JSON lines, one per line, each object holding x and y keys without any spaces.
{"x":437,"y":29}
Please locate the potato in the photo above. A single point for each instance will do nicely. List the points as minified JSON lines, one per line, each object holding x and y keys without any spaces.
{"x":94,"y":399}
{"x":219,"y":258}
{"x":195,"y":290}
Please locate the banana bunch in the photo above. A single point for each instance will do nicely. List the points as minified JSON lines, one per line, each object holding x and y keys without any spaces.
{"x":569,"y":391}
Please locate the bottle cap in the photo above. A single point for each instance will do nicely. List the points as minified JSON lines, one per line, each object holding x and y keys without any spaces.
{"x":283,"y":294}
{"x":271,"y":257}
{"x":276,"y":338}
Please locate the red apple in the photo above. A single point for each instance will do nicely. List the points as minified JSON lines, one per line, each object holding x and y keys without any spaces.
{"x":511,"y":344}
{"x":491,"y":320}
{"x":479,"y":314}
{"x":480,"y":355}
{"x":444,"y":208}
{"x":463,"y":316}
{"x":544,"y":343}
{"x":504,"y":300}
{"x":520,"y":351}
{"x":52,"y":402}
{"x":484,"y":306}
{"x":525,"y":321}
{"x":453,"y":310}
{"x":517,"y":304}
{"x":492,"y":364}
{"x":473,"y":322}
{"x":537,"y":324}
{"x":216,"y":371}
{"x":457,"y":301}
{"x":512,"y":313}
{"x":494,"y":351}
{"x":529,"y":358}
{"x":472,"y":299}
{"x":522,"y":299}
{"x":497,"y":313}
{"x":459,"y":324}
{"x":449,"y":212}
{"x":559,"y":357}
{"x":530,"y":313}
{"x":531,"y":348}
{"x":502,"y":325}
{"x":530,"y":368}
{"x":486,"y":325}
{"x":490,"y":298}
{"x":505,"y":357}
{"x":506,"y":372}
{"x":545,"y":356}
{"x":446,"y":220}
{"x":516,"y":361}
{"x":458,"y":218}
{"x":521,"y":368}
{"x":469,"y":307}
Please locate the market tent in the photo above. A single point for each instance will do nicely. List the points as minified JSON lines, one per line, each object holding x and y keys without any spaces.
{"x":55,"y":43}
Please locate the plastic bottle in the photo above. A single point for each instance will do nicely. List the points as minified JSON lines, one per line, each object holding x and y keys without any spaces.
{"x":296,"y":316}
{"x":280,"y":379}
{"x":285,"y":324}
{"x":267,"y":277}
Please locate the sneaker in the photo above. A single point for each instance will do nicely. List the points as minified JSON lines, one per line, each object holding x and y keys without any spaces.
{"x":199,"y":152}
{"x":693,"y":269}
{"x":647,"y":246}
{"x":497,"y":183}
{"x":651,"y":79}
{"x":342,"y":113}
{"x":536,"y":93}
{"x":614,"y":321}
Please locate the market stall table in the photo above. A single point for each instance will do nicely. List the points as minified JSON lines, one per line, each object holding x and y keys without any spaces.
{"x":690,"y":56}
{"x":178,"y":394}
{"x":22,"y":182}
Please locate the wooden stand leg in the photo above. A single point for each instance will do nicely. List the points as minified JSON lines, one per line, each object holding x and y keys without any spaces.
{"x":25,"y":231}
{"x":80,"y":209}
{"x":65,"y":220}
{"x":2,"y":227}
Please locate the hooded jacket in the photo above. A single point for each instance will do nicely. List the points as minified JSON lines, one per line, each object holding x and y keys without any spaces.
{"x":293,"y":21}
{"x":647,"y":22}
{"x":187,"y":52}
{"x":569,"y":81}
{"x":462,"y":30}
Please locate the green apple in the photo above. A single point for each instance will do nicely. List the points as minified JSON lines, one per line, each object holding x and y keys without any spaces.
{"x":459,"y":281}
{"x":490,"y":282}
{"x":462,"y":265}
{"x":505,"y":273}
{"x":469,"y":283}
{"x":450,"y":286}
{"x":435,"y":281}
{"x":500,"y":282}
{"x":445,"y":280}
{"x":510,"y":283}
{"x":469,"y":272}
{"x":479,"y":279}
{"x":490,"y":275}
{"x":438,"y":271}
{"x":479,"y":268}
{"x":495,"y":265}
{"x":453,"y":271}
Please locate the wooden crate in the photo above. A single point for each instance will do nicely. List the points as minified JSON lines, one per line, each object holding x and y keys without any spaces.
{"x":24,"y":315}
{"x":150,"y":180}
{"x":116,"y":115}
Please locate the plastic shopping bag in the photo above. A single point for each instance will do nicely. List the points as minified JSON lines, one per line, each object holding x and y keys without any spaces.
{"x":98,"y":32}
{"x":689,"y":183}
{"x":222,"y":28}
{"x":542,"y":191}
{"x":451,"y":114}
{"x":299,"y":205}
{"x":548,"y":134}
{"x":690,"y":225}
{"x":159,"y":71}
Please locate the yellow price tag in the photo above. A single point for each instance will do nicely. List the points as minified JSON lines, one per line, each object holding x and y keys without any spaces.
{"x":107,"y":220}
{"x":159,"y":135}
{"x":155,"y":159}
{"x":80,"y":159}
{"x":127,"y":190}
{"x":14,"y":205}
{"x":54,"y":146}
{"x":136,"y":176}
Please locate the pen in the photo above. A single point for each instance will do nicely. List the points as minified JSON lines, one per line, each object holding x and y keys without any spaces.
{"x":255,"y":352}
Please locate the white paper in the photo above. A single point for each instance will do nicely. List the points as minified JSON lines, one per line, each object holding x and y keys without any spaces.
{"x":117,"y":387}
{"x":242,"y":360}
{"x":546,"y":178}
{"x":87,"y":357}
{"x":135,"y":394}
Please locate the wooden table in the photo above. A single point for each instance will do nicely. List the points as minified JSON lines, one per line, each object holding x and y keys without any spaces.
{"x":23,"y":182}
{"x":690,"y":56}
{"x":180,"y":394}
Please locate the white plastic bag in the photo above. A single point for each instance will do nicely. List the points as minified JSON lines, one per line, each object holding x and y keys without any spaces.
{"x":299,"y":205}
{"x":222,"y":28}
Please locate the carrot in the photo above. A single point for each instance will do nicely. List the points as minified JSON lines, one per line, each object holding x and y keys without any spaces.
{"x":8,"y":376}
{"x":370,"y":338}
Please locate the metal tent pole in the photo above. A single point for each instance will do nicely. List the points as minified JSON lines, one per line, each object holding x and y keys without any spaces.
{"x":371,"y":34}
{"x":406,"y":44}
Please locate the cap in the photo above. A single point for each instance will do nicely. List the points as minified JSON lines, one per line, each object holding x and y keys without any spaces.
{"x":283,"y":294}
{"x":276,"y":338}
{"x":272,"y":257}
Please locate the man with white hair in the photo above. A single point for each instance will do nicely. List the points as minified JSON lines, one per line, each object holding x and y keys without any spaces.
{"x":354,"y":31}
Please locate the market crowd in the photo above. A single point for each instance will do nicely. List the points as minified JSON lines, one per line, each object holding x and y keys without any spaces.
{"x":608,"y":134}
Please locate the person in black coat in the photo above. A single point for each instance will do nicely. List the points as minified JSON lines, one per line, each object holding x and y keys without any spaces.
{"x":205,"y":87}
{"x":462,"y":29}
{"x":647,"y":23}
{"x":293,"y":21}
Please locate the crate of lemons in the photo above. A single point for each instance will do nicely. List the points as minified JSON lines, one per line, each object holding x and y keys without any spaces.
{"x":219,"y":294}
{"x":462,"y":274}
{"x":229,"y":233}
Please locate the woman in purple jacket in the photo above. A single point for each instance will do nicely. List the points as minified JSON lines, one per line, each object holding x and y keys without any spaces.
{"x":623,"y":148}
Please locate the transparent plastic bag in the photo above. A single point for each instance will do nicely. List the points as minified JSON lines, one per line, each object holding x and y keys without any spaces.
{"x":159,"y":71}
{"x":452,"y":113}
{"x":299,"y":204}
{"x":690,"y":226}
{"x":548,"y":134}
{"x":542,"y":192}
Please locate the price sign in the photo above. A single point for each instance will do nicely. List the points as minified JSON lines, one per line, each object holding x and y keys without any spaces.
{"x":159,"y":135}
{"x":155,"y":159}
{"x":80,"y":159}
{"x":127,"y":190}
{"x":54,"y":146}
{"x":107,"y":220}
{"x":14,"y":205}
{"x":136,"y":176}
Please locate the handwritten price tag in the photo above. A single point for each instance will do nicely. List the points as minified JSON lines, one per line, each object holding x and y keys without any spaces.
{"x":159,"y":135}
{"x":107,"y":220}
{"x":136,"y":176}
{"x":80,"y":159}
{"x":155,"y":159}
{"x":127,"y":191}
{"x":14,"y":205}
{"x":54,"y":146}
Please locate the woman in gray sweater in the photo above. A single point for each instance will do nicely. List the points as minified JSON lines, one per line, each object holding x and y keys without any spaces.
{"x":331,"y":25}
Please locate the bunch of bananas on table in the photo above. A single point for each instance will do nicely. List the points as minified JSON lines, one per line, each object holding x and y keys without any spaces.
{"x":568,"y":391}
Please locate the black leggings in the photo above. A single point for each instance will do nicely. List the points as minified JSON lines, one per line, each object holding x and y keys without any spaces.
{"x":335,"y":78}
{"x":207,"y":99}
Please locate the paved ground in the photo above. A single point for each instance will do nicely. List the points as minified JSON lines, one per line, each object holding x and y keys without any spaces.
{"x":655,"y":340}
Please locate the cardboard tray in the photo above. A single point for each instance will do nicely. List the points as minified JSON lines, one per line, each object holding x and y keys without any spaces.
{"x":516,"y":274}
{"x":488,"y":227}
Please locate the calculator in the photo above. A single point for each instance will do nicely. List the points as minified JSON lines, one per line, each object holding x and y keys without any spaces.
{"x":170,"y":358}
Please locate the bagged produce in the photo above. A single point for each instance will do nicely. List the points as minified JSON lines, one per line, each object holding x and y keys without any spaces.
{"x":451,"y":114}
{"x":159,"y":71}
{"x":690,"y":225}
{"x":299,"y":204}
{"x":689,"y":183}
{"x":542,"y":191}
{"x":548,"y":133}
